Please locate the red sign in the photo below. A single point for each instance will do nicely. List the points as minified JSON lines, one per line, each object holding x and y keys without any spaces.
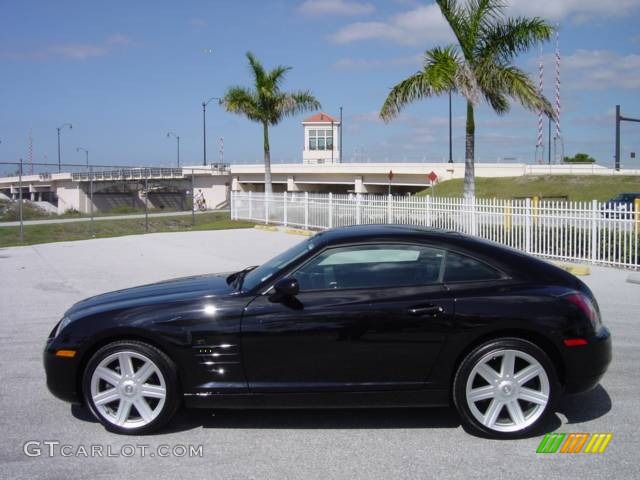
{"x":390,"y":175}
{"x":432,"y":177}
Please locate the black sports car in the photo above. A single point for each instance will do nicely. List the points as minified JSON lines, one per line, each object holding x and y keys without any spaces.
{"x":353,"y":317}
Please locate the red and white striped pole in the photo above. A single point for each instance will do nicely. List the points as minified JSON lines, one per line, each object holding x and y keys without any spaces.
{"x":540,"y":90}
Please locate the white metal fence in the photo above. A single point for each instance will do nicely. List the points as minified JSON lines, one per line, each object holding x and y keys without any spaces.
{"x":586,"y":231}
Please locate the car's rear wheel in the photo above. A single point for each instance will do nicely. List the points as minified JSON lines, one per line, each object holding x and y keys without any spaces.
{"x":131,"y":387}
{"x":505,"y":388}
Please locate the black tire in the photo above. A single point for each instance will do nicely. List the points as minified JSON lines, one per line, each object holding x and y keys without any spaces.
{"x":165,"y":366}
{"x":507,"y":390}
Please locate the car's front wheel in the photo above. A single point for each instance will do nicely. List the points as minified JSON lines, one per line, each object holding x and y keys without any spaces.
{"x":131,"y":387}
{"x":505,"y":388}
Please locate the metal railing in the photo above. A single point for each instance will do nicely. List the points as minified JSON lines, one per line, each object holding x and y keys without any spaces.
{"x":127,"y":174}
{"x":595,"y":232}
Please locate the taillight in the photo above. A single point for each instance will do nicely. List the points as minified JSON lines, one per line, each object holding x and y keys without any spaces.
{"x":586,"y":306}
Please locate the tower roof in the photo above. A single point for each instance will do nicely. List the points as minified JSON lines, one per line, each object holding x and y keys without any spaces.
{"x":320,"y":117}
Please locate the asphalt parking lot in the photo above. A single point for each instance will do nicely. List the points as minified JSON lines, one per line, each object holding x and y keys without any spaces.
{"x":40,"y":282}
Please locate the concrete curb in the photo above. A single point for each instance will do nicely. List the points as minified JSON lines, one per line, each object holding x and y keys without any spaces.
{"x":579,"y":270}
{"x":268,"y":228}
{"x":292,"y":231}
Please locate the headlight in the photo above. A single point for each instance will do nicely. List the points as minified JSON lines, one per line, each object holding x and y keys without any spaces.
{"x":63,"y":323}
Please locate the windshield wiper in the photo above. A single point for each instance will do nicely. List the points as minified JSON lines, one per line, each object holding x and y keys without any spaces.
{"x":238,"y":277}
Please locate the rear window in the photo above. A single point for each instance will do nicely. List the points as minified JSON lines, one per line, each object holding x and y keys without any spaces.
{"x":460,"y":268}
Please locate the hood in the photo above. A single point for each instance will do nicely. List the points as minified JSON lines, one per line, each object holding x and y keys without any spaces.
{"x":178,"y":289}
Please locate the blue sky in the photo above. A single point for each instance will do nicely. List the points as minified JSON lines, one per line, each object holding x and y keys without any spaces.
{"x":125,"y":73}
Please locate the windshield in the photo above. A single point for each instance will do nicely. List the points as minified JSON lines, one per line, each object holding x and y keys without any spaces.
{"x":268,"y":269}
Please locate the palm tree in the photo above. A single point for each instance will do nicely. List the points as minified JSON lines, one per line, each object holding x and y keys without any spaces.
{"x":267,"y":104}
{"x":479,"y":66}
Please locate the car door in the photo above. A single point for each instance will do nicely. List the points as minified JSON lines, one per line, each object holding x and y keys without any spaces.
{"x":367,"y":317}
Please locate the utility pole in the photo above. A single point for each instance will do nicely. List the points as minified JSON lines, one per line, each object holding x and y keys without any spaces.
{"x":60,"y":128}
{"x":450,"y":131}
{"x":204,"y":129}
{"x":177,"y":137}
{"x":86,"y":153}
{"x":620,"y":118}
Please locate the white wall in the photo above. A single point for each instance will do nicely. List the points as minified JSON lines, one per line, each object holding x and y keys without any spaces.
{"x":215,"y":190}
{"x":312,"y":156}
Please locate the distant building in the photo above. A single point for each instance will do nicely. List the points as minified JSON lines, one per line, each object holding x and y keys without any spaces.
{"x":321,"y":139}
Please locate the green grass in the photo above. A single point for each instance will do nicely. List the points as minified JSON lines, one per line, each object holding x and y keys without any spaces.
{"x":62,"y":232}
{"x":574,"y":187}
{"x":9,"y":212}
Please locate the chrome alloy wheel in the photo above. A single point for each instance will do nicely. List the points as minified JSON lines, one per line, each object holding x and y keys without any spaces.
{"x":507,"y":390}
{"x":128,"y":389}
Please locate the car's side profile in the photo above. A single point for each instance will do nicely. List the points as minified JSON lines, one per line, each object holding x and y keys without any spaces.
{"x":377,"y":315}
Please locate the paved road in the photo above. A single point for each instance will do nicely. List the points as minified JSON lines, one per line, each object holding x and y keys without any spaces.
{"x":103,"y":217}
{"x":40,"y":282}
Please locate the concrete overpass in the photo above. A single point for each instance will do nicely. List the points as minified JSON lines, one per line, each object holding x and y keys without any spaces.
{"x":169,"y":187}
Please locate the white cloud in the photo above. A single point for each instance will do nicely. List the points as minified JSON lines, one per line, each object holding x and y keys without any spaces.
{"x":413,"y":27}
{"x":72,"y":51}
{"x":334,"y":7}
{"x":572,"y":9}
{"x":599,"y":70}
{"x":425,"y":23}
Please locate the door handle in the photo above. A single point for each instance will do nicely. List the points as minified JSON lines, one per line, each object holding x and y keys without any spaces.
{"x":424,"y":311}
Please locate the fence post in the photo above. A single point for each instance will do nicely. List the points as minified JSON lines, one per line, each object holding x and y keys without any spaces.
{"x":474,"y":217}
{"x":93,"y":230}
{"x":306,"y":210}
{"x":428,"y":213}
{"x":250,"y":206}
{"x":527,"y":228}
{"x":330,"y":210}
{"x":389,"y":209}
{"x":358,"y":216}
{"x":284,"y":208}
{"x":594,"y":230}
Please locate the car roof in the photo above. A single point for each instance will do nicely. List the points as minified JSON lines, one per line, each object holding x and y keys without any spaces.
{"x":373,"y":231}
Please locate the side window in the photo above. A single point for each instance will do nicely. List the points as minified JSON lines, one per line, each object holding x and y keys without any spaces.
{"x":460,"y":268}
{"x":371,"y":266}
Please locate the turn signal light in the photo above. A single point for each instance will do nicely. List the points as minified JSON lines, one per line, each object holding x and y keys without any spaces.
{"x":66,"y":353}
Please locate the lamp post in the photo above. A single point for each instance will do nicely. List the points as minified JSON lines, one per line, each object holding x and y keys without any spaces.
{"x":86,"y":153}
{"x":450,"y":132}
{"x":620,"y":118}
{"x":177,"y":137}
{"x":59,"y":129}
{"x":204,"y":129}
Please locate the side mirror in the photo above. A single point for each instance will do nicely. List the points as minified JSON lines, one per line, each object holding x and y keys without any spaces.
{"x":287,"y":287}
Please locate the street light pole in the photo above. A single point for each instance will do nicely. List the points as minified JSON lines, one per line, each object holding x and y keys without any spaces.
{"x":204,"y":129}
{"x":86,"y":153}
{"x":450,"y":132}
{"x":59,"y":129}
{"x":177,"y":137}
{"x":620,"y":118}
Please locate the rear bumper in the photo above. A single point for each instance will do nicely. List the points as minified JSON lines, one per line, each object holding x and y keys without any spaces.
{"x":585,"y":365}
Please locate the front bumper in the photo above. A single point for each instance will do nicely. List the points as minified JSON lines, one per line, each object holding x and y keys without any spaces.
{"x":585,"y":365}
{"x":62,"y":373}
